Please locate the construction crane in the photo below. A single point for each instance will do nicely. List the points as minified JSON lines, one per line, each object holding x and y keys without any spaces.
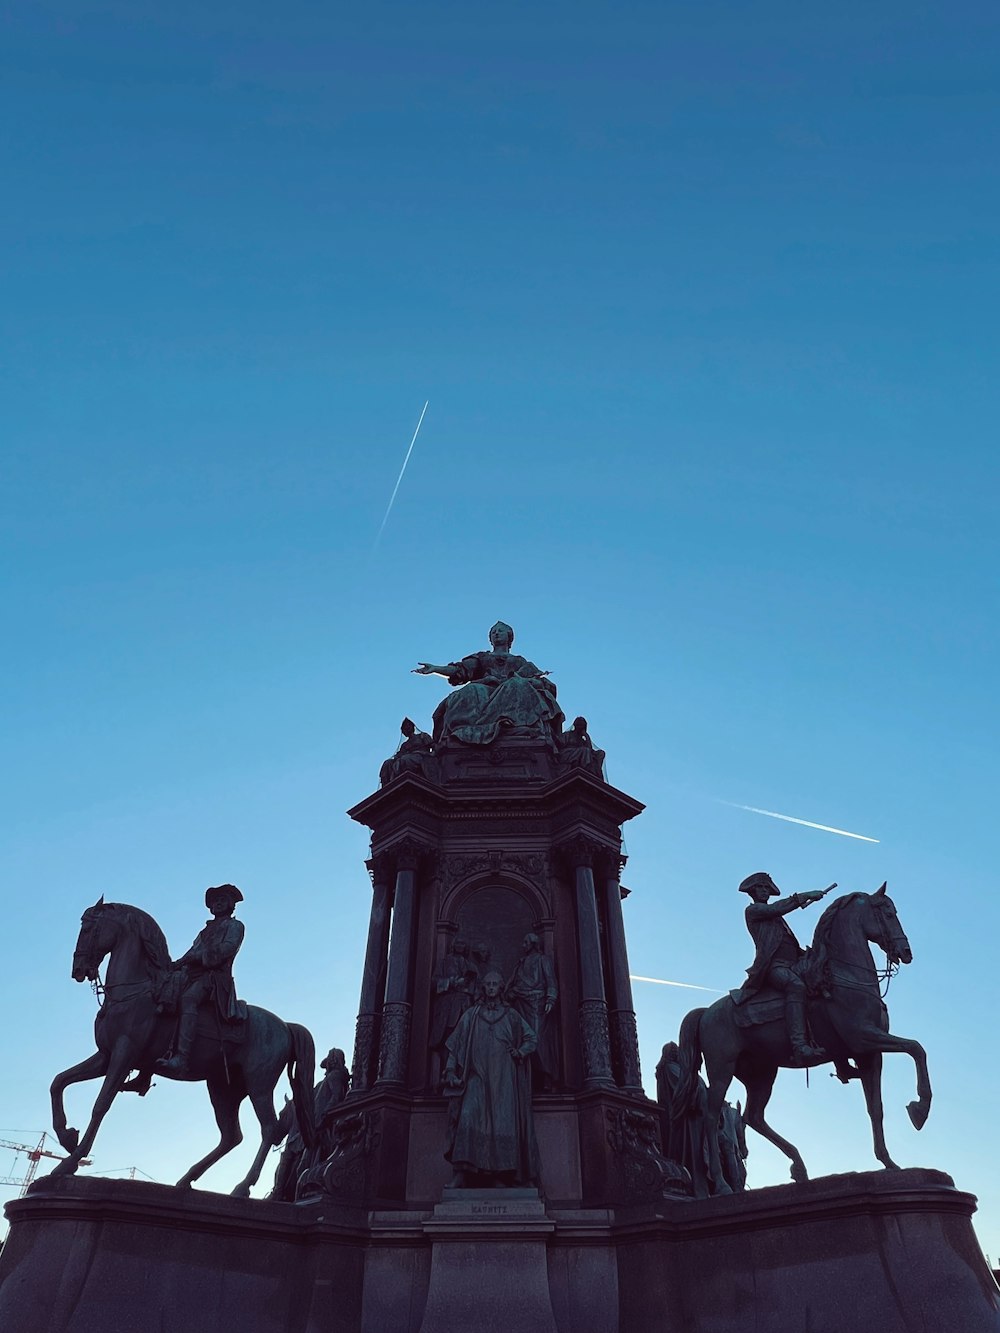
{"x":34,"y":1156}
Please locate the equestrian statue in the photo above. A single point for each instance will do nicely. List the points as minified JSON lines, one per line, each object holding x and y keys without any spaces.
{"x":182,"y":1020}
{"x":802,"y":1009}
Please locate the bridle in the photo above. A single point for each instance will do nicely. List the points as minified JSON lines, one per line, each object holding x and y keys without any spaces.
{"x":883,"y":975}
{"x":84,"y":946}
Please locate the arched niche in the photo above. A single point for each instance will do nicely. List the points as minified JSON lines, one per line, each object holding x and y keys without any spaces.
{"x":494,"y":915}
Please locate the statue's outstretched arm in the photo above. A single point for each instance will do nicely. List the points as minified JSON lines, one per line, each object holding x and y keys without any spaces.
{"x":781,"y":906}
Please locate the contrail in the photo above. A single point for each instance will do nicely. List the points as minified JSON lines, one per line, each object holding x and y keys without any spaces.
{"x":685,"y":985}
{"x":392,"y":497}
{"x":808,"y":823}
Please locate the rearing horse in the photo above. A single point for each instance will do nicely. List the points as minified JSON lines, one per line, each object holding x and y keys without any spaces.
{"x":132,"y":1032}
{"x":847,"y":1016}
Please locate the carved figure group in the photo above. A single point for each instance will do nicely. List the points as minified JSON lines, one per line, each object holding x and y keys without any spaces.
{"x":687,"y":1132}
{"x":297,"y":1157}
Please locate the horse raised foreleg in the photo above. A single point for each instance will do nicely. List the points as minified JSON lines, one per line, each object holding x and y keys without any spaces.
{"x":117,"y":1064}
{"x":888,"y":1044}
{"x":93,"y":1067}
{"x":226,"y":1101}
{"x":870,"y":1065}
{"x":759,"y":1086}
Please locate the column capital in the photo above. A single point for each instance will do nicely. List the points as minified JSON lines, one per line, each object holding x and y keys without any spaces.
{"x":409,"y":853}
{"x":609,"y":862}
{"x":581,"y":850}
{"x":380,"y":868}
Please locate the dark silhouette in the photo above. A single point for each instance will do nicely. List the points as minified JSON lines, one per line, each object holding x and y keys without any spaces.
{"x":207,"y":973}
{"x":846,"y":1013}
{"x":411,"y":756}
{"x":296,"y":1156}
{"x":576,"y":749}
{"x":778,"y":956}
{"x":134,"y":1030}
{"x":533,"y":992}
{"x":491,"y":1133}
{"x":502,"y":691}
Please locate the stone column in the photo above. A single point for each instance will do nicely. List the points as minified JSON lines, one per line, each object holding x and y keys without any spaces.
{"x":395,"y":1036}
{"x":365,"y":1068}
{"x":621,"y":1012}
{"x":593,"y":1002}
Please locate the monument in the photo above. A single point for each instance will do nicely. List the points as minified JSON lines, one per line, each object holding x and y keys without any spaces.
{"x":492,"y":1161}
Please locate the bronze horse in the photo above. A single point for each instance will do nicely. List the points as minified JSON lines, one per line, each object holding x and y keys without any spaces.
{"x":133,"y":1030}
{"x":847,"y":1016}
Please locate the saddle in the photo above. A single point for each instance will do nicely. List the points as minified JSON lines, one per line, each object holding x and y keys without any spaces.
{"x":768,"y":1003}
{"x":211,"y":1026}
{"x":767,"y":1006}
{"x":210,"y":1023}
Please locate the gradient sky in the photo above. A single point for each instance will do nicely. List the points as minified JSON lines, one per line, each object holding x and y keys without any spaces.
{"x":703,"y":297}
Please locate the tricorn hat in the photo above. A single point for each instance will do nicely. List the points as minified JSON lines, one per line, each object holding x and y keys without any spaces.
{"x":230,"y":890}
{"x":760,"y":879}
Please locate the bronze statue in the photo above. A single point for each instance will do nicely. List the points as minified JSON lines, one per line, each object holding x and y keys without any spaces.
{"x":846,"y":1012}
{"x":532,"y":990}
{"x":502,"y":692}
{"x":134,"y":1029}
{"x":480,"y":953}
{"x":733,"y":1146}
{"x":686,"y":1129}
{"x":296,"y":1156}
{"x":411,"y":756}
{"x":454,"y":987}
{"x":778,"y":955}
{"x":576,"y":749}
{"x":491,"y":1132}
{"x":207,"y":972}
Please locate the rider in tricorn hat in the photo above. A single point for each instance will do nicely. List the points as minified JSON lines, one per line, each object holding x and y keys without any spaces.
{"x":208,"y":972}
{"x":777,"y":953}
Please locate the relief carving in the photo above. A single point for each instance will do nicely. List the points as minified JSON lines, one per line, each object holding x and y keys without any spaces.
{"x":646,"y":1175}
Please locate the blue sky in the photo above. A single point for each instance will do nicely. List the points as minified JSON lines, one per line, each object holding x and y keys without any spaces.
{"x":703,"y":299}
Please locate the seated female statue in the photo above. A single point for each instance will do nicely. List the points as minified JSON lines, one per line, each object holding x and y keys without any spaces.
{"x":499,"y":690}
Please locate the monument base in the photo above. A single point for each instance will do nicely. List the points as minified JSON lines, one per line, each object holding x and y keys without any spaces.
{"x":876,"y":1252}
{"x":488,"y":1268}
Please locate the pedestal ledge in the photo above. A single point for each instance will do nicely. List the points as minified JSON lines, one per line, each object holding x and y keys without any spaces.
{"x":489,"y":1269}
{"x":869,"y":1252}
{"x":489,"y":1212}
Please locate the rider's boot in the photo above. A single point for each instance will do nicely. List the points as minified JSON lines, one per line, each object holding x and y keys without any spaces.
{"x":802,"y":1052}
{"x":180,"y":1060}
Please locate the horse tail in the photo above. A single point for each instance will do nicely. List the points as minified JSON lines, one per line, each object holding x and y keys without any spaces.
{"x":690,"y":1062}
{"x":301,"y":1071}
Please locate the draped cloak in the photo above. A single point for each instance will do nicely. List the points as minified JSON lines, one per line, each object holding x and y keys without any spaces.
{"x":493,"y":1130}
{"x":499,"y":689}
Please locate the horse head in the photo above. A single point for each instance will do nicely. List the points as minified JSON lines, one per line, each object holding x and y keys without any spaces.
{"x":851,"y":923}
{"x":884,"y":928}
{"x":94,"y":942}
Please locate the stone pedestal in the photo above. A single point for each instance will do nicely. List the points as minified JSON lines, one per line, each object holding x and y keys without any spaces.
{"x":869,"y":1252}
{"x":123,"y":1256}
{"x":488,"y":1263}
{"x":876,"y":1252}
